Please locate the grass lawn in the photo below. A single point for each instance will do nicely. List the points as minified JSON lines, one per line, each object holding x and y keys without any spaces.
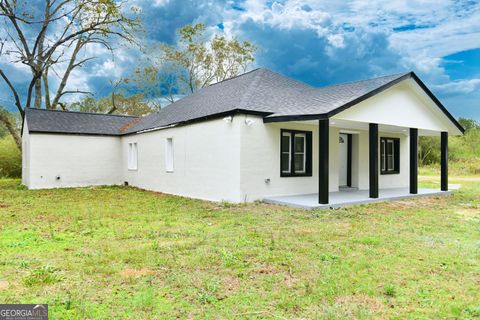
{"x":115,"y":252}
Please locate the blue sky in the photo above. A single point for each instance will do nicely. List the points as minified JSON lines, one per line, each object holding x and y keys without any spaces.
{"x":320,"y":42}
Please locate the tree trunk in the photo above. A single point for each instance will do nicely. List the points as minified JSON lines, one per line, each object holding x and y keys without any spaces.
{"x":9,"y":123}
{"x":38,"y":83}
{"x":47,"y":90}
{"x":38,"y":93}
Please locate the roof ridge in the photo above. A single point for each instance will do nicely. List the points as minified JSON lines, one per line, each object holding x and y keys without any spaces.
{"x":234,"y":77}
{"x":253,"y":83}
{"x":210,"y":85}
{"x":397,"y":75}
{"x":83,"y":112}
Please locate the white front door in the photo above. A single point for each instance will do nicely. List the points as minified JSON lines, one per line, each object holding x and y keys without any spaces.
{"x":343,"y":158}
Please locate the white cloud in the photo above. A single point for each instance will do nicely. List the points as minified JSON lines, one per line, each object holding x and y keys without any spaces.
{"x":160,"y":3}
{"x":336,"y":40}
{"x":422,"y":32}
{"x":459,"y":86}
{"x":288,"y":15}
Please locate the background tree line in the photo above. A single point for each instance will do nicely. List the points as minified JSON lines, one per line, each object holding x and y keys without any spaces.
{"x":463,"y":151}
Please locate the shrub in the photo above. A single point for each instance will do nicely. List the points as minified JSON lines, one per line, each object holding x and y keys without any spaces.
{"x":10,"y":158}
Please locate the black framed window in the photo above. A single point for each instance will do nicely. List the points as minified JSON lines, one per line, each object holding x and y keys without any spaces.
{"x":295,"y":153}
{"x":389,"y":155}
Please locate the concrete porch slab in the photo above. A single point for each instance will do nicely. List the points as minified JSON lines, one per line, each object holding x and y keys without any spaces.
{"x":350,"y":197}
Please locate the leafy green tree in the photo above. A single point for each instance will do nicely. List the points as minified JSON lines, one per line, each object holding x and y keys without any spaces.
{"x":468,"y":123}
{"x":9,"y":124}
{"x":128,"y":105}
{"x":204,"y":61}
{"x":461,"y":148}
{"x":196,"y":61}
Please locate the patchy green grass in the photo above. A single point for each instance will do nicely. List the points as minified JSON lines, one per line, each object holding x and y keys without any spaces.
{"x":115,"y":252}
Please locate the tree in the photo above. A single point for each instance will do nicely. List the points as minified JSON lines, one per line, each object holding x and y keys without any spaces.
{"x":48,"y":41}
{"x":203,"y":62}
{"x":429,"y":150}
{"x":468,"y":123}
{"x":129,"y":105}
{"x":194,"y":62}
{"x":8,"y":123}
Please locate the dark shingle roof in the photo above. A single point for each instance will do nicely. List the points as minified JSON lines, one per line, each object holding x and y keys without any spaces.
{"x":56,"y":121}
{"x":262,"y":91}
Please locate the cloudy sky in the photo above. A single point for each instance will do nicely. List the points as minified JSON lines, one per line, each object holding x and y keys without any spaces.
{"x":322,"y":42}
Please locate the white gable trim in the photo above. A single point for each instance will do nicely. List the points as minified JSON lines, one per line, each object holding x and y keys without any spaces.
{"x":404,"y":104}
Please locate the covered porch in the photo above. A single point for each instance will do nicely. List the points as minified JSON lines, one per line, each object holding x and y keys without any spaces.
{"x":358,"y":163}
{"x":364,"y":149}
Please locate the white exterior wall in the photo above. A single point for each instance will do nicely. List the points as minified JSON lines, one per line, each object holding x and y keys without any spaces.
{"x":260,"y":160}
{"x":79,"y":160}
{"x":25,"y":155}
{"x":213,"y":160}
{"x":206,"y":160}
{"x":360,"y":167}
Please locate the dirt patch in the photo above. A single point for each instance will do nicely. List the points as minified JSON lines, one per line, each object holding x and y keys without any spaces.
{"x":230,"y":285}
{"x":4,"y":284}
{"x":4,"y":205}
{"x":290,"y":281}
{"x":415,"y":203}
{"x":135,"y":273}
{"x":266,"y":269}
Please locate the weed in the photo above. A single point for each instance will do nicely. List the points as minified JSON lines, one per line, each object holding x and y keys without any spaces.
{"x":389,"y":290}
{"x":42,"y":275}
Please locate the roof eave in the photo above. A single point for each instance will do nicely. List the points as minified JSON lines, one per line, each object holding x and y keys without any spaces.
{"x":204,"y":118}
{"x":74,"y":133}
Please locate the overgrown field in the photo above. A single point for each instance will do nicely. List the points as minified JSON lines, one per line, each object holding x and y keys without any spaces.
{"x":115,"y":252}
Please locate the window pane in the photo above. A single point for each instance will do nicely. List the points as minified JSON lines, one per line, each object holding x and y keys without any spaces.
{"x":132,"y":156}
{"x":169,"y":155}
{"x":285,"y":162}
{"x":285,"y":142}
{"x":299,"y":162}
{"x":389,"y":147}
{"x":299,"y":143}
{"x":390,"y":165}
{"x":382,"y":160}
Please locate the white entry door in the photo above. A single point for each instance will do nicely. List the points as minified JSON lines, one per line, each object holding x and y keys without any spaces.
{"x":343,"y":158}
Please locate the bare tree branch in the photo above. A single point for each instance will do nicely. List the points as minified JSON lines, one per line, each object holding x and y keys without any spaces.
{"x":82,"y":23}
{"x":18,"y":104}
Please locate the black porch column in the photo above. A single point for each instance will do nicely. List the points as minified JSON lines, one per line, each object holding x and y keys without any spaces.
{"x":413,"y":160}
{"x":373,"y":159}
{"x":444,"y":161}
{"x":323,"y":137}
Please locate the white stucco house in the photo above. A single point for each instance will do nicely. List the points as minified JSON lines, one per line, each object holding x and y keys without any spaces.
{"x":257,"y":136}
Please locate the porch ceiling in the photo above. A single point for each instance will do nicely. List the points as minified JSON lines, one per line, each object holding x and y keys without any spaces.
{"x":348,"y":125}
